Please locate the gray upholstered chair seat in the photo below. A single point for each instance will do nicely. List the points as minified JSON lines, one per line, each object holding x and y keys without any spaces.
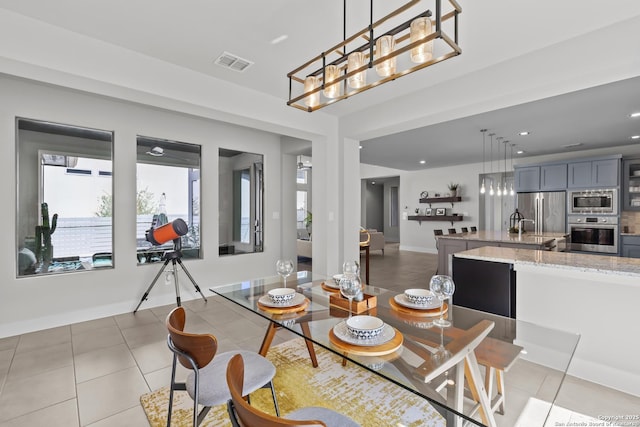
{"x":327,"y":416}
{"x":213,"y":387}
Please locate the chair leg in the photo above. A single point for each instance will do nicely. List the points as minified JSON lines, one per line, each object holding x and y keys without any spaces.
{"x":195,"y":400}
{"x":275,"y":401}
{"x":171,"y":388}
{"x":203,"y":414}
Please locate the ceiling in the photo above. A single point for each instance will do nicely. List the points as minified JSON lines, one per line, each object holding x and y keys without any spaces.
{"x":193,"y":34}
{"x":588,"y":119}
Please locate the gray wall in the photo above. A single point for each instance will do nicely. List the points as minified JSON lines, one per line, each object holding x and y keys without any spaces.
{"x":375,"y":207}
{"x":32,"y":303}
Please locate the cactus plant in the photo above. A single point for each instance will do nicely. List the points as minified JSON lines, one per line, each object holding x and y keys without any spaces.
{"x":44,"y":248}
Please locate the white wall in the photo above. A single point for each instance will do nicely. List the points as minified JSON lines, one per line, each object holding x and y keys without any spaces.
{"x":32,"y":303}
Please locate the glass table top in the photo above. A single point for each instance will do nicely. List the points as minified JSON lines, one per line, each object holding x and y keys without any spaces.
{"x":412,"y":351}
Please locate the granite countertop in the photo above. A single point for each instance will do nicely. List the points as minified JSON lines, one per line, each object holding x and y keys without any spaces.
{"x":503,"y":236}
{"x":564,"y":260}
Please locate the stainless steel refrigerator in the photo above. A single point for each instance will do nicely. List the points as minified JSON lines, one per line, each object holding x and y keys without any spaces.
{"x":547,"y":209}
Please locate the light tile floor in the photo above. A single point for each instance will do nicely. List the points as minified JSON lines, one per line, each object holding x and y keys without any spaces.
{"x":93,"y":373}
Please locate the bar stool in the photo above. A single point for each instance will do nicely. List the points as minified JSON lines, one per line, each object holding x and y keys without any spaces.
{"x":473,"y":229}
{"x":452,"y":231}
{"x":497,"y":357}
{"x":464,"y":229}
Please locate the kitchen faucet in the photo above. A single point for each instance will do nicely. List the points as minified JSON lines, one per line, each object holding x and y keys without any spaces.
{"x":520,"y":224}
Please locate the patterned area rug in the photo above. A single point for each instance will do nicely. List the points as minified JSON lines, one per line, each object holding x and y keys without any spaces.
{"x":366,"y":398}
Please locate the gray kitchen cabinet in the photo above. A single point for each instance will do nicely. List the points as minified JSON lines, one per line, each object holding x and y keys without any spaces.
{"x":579,"y":174}
{"x":593,"y":173}
{"x":631,"y":184}
{"x":606,"y":172}
{"x":527,"y":179}
{"x":446,"y":248}
{"x":631,"y":246}
{"x":541,"y":178}
{"x":553,"y":177}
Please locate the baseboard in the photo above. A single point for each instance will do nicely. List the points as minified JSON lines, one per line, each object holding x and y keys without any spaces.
{"x":418,"y":249}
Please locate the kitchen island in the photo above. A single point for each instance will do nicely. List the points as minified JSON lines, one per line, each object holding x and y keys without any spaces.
{"x":595,"y":296}
{"x":452,"y":243}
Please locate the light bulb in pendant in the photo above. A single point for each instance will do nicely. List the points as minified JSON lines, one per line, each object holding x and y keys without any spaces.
{"x":355,"y":61}
{"x":511,"y":193}
{"x":385,"y":45}
{"x":331,"y":73}
{"x":498,"y":191}
{"x":310,"y":83}
{"x":482,"y":189}
{"x":421,"y":28}
{"x":491,"y":192}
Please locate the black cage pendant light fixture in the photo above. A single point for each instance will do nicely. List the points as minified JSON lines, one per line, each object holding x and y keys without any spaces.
{"x":393,"y":46}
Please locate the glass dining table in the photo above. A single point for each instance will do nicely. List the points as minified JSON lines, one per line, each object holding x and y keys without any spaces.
{"x":462,"y":370}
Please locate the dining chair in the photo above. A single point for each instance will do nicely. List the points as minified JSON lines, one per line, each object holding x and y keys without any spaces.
{"x":452,"y":231}
{"x":242,"y":414}
{"x":474,"y":229}
{"x":205,"y":384}
{"x":464,"y":229}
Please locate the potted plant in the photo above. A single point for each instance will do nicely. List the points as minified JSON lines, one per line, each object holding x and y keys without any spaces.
{"x":307,"y":222}
{"x":454,"y":188}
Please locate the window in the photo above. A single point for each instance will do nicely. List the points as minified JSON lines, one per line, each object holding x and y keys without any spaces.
{"x":64,"y":210}
{"x":301,"y":208}
{"x":240,"y":202}
{"x":167,"y":190}
{"x":304,"y":177}
{"x":301,"y":176}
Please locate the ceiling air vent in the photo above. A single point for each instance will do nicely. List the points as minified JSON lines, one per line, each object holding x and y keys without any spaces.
{"x":233,"y":62}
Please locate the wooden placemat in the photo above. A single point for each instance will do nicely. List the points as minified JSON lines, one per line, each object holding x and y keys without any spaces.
{"x":328,"y":288}
{"x":283,"y":310}
{"x":432,"y":312}
{"x":373,"y":350}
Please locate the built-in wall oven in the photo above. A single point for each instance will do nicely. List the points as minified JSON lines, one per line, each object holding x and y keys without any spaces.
{"x":597,"y":234}
{"x":593,"y":202}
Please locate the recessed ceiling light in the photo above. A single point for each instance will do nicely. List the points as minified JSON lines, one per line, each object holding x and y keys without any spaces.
{"x":279,"y":39}
{"x":422,"y":162}
{"x":575,"y":144}
{"x":520,"y":152}
{"x":524,"y":133}
{"x":635,"y":137}
{"x":637,"y":114}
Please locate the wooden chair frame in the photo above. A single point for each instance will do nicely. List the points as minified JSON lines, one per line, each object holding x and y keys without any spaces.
{"x":194,"y":351}
{"x":242,"y":414}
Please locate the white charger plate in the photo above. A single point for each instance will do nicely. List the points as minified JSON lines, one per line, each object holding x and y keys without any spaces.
{"x":332,"y":283}
{"x":386,"y":335}
{"x":404,"y":301}
{"x":297,"y":299}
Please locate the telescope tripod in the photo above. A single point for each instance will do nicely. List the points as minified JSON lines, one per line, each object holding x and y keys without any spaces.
{"x":173,"y":257}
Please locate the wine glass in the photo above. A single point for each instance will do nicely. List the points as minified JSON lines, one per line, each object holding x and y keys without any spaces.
{"x":284,"y":268}
{"x":350,"y":287}
{"x":351,"y":267}
{"x":443,"y":287}
{"x":441,"y":354}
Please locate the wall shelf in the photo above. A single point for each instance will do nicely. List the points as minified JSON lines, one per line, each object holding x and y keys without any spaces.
{"x":451,"y":200}
{"x":450,"y":218}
